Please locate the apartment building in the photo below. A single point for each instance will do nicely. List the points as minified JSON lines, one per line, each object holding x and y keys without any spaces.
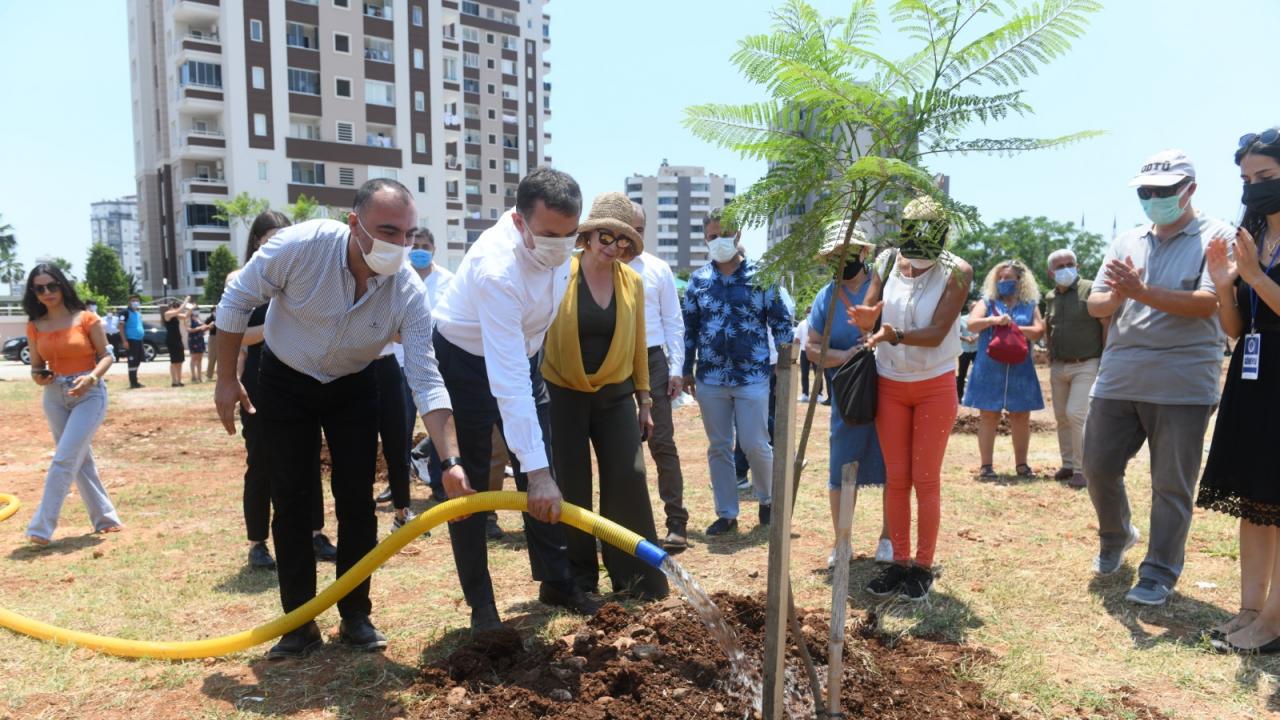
{"x":114,"y":223}
{"x":281,"y":98}
{"x":676,"y":201}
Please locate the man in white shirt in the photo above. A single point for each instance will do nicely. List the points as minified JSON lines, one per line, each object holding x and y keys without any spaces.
{"x":664,"y":326}
{"x":490,"y":325}
{"x":339,"y":293}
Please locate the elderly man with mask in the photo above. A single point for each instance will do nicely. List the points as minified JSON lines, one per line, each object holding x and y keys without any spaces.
{"x":339,"y":293}
{"x":1158,"y":379}
{"x":727,"y":323}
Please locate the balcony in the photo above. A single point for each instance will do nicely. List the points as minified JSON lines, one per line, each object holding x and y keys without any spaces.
{"x":203,"y":145}
{"x":195,"y":10}
{"x":378,"y":10}
{"x":195,"y":98}
{"x":203,"y":186}
{"x":200,"y":40}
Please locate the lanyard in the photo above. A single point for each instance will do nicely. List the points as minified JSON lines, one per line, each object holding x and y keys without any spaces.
{"x":1253,"y":294}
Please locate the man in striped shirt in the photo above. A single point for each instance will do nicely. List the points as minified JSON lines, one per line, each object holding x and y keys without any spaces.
{"x":339,"y":293}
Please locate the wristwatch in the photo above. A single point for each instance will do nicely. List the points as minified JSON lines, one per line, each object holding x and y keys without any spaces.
{"x":646,"y":402}
{"x":449,"y":462}
{"x":897,"y":336}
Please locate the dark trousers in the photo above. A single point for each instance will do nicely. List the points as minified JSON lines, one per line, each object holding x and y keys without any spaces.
{"x":962,"y":373}
{"x":805,"y":368}
{"x":257,"y":482}
{"x":392,"y":428}
{"x":605,"y":419}
{"x":740,"y":458}
{"x":294,"y":408}
{"x":135,"y":360}
{"x":662,"y":444}
{"x":475,"y":413}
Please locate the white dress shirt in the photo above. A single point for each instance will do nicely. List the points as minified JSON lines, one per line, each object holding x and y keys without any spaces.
{"x":663,"y":321}
{"x":499,"y":306}
{"x":434,"y":283}
{"x":315,"y":324}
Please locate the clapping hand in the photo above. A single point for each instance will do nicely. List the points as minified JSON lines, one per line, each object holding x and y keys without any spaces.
{"x":1222,"y":267}
{"x":1125,"y":280}
{"x":1246,"y":251}
{"x":864,"y":316}
{"x":885,"y":332}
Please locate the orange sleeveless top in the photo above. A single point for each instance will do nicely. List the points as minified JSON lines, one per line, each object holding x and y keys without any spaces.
{"x":69,"y":350}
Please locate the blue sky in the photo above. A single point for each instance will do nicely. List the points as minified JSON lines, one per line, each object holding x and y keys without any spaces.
{"x":1150,"y":73}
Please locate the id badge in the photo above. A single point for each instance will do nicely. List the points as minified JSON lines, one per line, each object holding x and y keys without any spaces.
{"x":1252,"y":356}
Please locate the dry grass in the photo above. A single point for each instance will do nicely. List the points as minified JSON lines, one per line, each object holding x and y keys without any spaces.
{"x":1017,"y":581}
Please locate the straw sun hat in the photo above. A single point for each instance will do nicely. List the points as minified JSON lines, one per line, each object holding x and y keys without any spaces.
{"x":612,"y":211}
{"x":835,"y":238}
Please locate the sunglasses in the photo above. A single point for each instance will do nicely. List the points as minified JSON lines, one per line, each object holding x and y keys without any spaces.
{"x":607,"y":238}
{"x":46,"y":288}
{"x":1146,"y":193}
{"x":1266,"y":137}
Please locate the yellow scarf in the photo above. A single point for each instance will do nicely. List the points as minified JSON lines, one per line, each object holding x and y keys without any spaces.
{"x":628,"y":355}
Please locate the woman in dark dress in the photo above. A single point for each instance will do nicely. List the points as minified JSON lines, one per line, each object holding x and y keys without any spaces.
{"x":174,"y":317}
{"x":1240,"y":477}
{"x":196,"y":345}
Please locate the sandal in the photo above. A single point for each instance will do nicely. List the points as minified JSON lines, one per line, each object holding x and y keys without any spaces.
{"x":1025,"y":471}
{"x":987,"y":473}
{"x":37,"y":540}
{"x":110,"y":529}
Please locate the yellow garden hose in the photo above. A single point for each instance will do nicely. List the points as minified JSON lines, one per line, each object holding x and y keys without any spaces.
{"x":572,"y":515}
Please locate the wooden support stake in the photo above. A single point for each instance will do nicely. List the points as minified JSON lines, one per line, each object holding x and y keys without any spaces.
{"x":840,"y":587}
{"x":775,"y":629}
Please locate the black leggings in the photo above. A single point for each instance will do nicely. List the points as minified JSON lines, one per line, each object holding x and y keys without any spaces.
{"x":392,"y":427}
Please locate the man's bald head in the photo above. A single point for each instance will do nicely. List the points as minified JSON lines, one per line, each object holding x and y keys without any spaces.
{"x":637,"y":217}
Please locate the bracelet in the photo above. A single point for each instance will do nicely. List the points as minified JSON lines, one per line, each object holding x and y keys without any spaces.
{"x":898,"y":335}
{"x":645,"y":402}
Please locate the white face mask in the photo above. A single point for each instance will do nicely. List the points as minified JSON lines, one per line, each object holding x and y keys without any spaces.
{"x":1065,"y":276}
{"x":383,"y":258}
{"x":921,"y":263}
{"x":548,"y":253}
{"x":722,"y":249}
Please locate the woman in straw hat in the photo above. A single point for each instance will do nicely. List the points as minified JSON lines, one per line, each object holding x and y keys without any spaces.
{"x":597,"y":372}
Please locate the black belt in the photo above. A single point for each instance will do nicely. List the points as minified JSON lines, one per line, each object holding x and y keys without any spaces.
{"x":655,"y":347}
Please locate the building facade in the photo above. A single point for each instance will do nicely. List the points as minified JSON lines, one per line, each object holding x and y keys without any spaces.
{"x":114,"y":223}
{"x":676,"y":201}
{"x":284,"y":98}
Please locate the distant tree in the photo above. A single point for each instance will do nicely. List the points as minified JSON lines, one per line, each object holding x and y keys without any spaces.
{"x":240,"y":209}
{"x":221,"y":262}
{"x":64,"y":265}
{"x":135,"y":287}
{"x":1029,"y":239}
{"x":11,"y":270}
{"x":104,"y":275}
{"x":304,"y":209}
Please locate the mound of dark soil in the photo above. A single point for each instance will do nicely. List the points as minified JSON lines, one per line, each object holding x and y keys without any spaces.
{"x":967,"y":424}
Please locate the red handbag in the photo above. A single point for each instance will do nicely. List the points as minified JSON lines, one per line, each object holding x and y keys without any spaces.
{"x":1008,"y":345}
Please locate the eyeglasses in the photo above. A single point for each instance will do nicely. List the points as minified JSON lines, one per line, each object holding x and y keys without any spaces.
{"x":46,"y":288}
{"x":1266,"y":137}
{"x":1146,"y":192}
{"x":607,"y":238}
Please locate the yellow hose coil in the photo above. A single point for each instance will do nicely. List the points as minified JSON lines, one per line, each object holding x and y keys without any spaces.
{"x":572,"y":515}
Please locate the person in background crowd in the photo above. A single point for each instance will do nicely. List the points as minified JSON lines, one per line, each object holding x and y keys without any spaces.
{"x":133,"y":334}
{"x":69,"y":359}
{"x":1075,"y":341}
{"x":111,"y":323}
{"x":1158,"y":378}
{"x":664,"y":328}
{"x":512,"y":279}
{"x":1239,"y":474}
{"x":597,"y":371}
{"x":740,"y":462}
{"x":1010,"y":297}
{"x":196,"y":343}
{"x":917,"y":291}
{"x":849,"y":443}
{"x":806,"y":365}
{"x":968,"y":351}
{"x":733,"y":368}
{"x":174,"y":316}
{"x":212,"y":322}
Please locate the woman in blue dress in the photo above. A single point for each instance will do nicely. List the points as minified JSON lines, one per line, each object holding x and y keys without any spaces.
{"x":1010,"y":296}
{"x":848,"y":443}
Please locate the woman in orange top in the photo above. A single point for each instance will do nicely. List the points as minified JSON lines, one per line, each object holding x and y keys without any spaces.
{"x":69,"y":358}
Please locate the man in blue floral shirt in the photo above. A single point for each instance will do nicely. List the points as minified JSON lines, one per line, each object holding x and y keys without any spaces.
{"x":727,"y":320}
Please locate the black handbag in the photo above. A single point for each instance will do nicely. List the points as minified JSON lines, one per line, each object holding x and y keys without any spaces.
{"x":853,"y":387}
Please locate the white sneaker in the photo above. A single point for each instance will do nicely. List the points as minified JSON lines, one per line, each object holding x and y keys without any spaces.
{"x":831,"y":559}
{"x":804,"y":397}
{"x":884,"y":551}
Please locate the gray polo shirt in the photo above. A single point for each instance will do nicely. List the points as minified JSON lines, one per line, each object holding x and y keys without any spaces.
{"x":1152,"y":356}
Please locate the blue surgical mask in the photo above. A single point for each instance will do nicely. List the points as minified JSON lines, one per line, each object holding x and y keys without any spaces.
{"x":1065,"y":276}
{"x":1006,"y":288}
{"x":420,"y":259}
{"x":1163,"y":211}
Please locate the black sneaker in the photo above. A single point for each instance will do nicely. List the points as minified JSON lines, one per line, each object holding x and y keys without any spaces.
{"x":484,"y":619}
{"x":384,"y":496}
{"x":766,"y":511}
{"x":491,"y":528}
{"x":260,"y":557}
{"x":889,"y":581}
{"x":722,"y":526}
{"x":360,"y":634}
{"x":575,"y":600}
{"x":297,"y":643}
{"x":324,"y":549}
{"x":917,"y":584}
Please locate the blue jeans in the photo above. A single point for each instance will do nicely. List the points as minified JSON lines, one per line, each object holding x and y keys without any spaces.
{"x":73,"y":421}
{"x":745,"y":408}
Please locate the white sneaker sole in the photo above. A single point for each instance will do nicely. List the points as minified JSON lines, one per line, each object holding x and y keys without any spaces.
{"x":1133,"y":540}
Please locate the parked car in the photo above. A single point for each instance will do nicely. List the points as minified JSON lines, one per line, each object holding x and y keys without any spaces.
{"x":154,"y":342}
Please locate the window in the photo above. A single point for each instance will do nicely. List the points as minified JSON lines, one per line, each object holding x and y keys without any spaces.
{"x":304,"y":81}
{"x":262,"y":170}
{"x":451,"y":188}
{"x":451,"y":69}
{"x":342,"y":43}
{"x":668,"y":201}
{"x":304,"y":128}
{"x":259,"y":124}
{"x":199,"y":260}
{"x":493,"y":213}
{"x":308,"y":173}
{"x":417,"y":15}
{"x":491,"y":89}
{"x":508,"y":67}
{"x":509,"y":43}
{"x":202,"y":73}
{"x":259,"y":78}
{"x":346,"y":176}
{"x":510,"y":141}
{"x":471,"y":112}
{"x":488,"y":38}
{"x":346,"y":133}
{"x":473,"y":188}
{"x":342,"y":87}
{"x":493,"y":115}
{"x":342,"y":3}
{"x":509,"y":92}
{"x":472,"y":162}
{"x":379,"y":49}
{"x":301,"y":36}
{"x":203,"y":216}
{"x":420,"y":142}
{"x":470,"y":34}
{"x":422,"y":184}
{"x":471,"y":137}
{"x":509,"y":18}
{"x":470,"y":60}
{"x":471,"y":86}
{"x":472,"y":236}
{"x":510,"y":166}
{"x":418,"y":62}
{"x":470,"y":8}
{"x":493,"y":164}
{"x":380,"y":135}
{"x":376,"y":173}
{"x":255,"y":30}
{"x":493,"y":139}
{"x":377,"y":92}
{"x":419,"y":101}
{"x":668,"y":215}
{"x":493,"y":188}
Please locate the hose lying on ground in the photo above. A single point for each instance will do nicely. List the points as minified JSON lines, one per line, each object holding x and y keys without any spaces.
{"x":572,"y":515}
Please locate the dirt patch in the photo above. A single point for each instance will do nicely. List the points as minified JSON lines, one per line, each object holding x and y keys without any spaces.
{"x":660,"y":662}
{"x":967,"y":424}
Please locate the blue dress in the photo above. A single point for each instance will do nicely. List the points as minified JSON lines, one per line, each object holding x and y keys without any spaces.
{"x":848,"y":443}
{"x":996,"y":386}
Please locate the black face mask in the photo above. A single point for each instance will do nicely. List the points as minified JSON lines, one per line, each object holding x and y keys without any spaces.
{"x":1262,"y":197}
{"x":851,"y":269}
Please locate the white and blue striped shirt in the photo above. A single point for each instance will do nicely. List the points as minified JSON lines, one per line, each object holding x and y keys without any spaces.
{"x":315,"y":324}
